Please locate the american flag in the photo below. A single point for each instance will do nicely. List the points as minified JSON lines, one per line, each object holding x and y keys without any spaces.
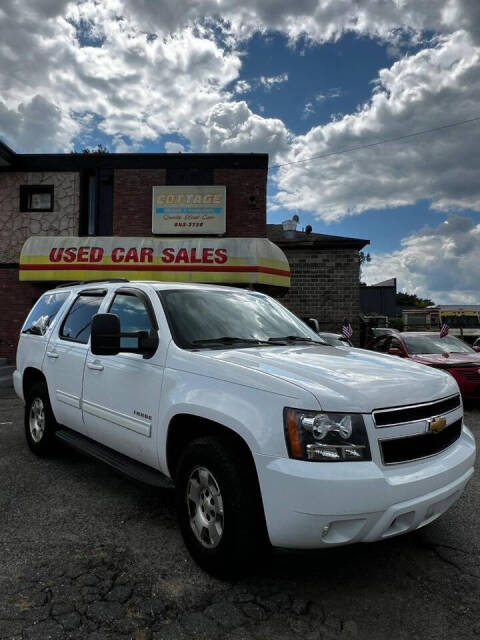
{"x":347,"y":330}
{"x":444,"y":330}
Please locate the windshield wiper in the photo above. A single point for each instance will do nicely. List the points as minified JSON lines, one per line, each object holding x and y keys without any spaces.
{"x":228,"y":340}
{"x":297,"y":339}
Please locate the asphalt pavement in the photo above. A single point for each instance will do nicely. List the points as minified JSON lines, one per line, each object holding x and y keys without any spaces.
{"x":88,"y":554}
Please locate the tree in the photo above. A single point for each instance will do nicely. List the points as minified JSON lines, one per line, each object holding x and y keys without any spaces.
{"x":98,"y":150}
{"x":412,"y":300}
{"x":364,"y":257}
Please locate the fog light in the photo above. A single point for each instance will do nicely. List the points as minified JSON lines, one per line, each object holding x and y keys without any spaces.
{"x":325,"y":530}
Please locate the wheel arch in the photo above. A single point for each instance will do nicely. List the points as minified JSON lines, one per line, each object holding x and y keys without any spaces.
{"x":31,"y":376}
{"x":186,"y":427}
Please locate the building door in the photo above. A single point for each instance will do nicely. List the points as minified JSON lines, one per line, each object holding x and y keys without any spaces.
{"x":121,"y":393}
{"x":65,"y":359}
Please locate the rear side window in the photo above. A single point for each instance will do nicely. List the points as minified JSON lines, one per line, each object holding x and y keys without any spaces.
{"x":76,"y":326}
{"x":44,"y":312}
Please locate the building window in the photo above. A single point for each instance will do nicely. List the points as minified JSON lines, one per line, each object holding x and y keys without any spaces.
{"x":36,"y":197}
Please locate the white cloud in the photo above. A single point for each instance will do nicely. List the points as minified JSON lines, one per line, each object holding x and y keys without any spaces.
{"x":233,"y":127}
{"x":438,"y":85}
{"x":439,"y":263}
{"x":174,"y":147}
{"x":242,"y":86}
{"x":308,"y":109}
{"x":331,"y":94}
{"x":271,"y":81}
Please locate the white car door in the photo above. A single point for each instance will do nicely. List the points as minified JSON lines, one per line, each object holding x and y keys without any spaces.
{"x":121,"y":393}
{"x":65,"y":359}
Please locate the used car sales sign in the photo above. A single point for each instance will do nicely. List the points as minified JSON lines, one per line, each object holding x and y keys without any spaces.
{"x":215,"y":260}
{"x":189,"y":210}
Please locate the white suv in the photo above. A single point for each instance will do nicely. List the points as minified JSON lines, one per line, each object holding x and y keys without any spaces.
{"x":269,"y":435}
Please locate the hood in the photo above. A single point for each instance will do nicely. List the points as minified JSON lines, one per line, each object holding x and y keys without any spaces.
{"x":448,"y":360}
{"x":344,"y":379}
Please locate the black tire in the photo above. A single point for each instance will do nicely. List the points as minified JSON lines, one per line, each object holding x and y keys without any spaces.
{"x":243,"y":542}
{"x":37,"y":403}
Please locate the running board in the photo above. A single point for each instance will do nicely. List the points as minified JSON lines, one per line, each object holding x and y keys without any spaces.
{"x":123,"y":464}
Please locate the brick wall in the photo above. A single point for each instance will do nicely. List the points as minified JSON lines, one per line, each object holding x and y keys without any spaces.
{"x":132,"y":200}
{"x":325,"y":284}
{"x":246,"y":200}
{"x":16,"y":226}
{"x":16,"y":301}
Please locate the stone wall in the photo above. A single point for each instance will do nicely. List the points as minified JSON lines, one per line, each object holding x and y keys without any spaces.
{"x":16,"y":227}
{"x":325,"y":284}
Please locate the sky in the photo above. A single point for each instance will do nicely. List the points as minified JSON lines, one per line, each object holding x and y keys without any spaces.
{"x":293,"y":79}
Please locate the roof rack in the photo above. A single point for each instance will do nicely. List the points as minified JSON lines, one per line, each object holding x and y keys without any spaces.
{"x":76,"y":282}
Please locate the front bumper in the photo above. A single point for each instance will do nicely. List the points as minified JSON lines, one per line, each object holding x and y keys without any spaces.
{"x":18,"y":384}
{"x":313,"y":504}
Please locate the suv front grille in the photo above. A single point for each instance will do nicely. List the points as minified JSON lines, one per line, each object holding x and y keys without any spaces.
{"x":401,"y":415}
{"x":419,"y":446}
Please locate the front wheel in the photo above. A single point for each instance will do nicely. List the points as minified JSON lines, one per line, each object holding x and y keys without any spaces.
{"x":40,"y":423}
{"x":219,"y":508}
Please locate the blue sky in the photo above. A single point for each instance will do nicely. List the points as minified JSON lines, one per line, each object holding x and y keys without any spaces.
{"x":290,"y":79}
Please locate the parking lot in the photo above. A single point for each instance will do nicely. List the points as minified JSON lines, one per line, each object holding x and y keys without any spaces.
{"x":85,"y":553}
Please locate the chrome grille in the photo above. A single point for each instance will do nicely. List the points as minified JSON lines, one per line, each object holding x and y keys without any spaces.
{"x":392,"y":416}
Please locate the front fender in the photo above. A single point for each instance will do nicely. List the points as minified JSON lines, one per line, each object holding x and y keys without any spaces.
{"x":254,"y":414}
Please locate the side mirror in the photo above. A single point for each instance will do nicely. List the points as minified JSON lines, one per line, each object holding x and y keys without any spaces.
{"x":313,"y":324}
{"x":105,"y":338}
{"x":105,"y":334}
{"x":395,"y":351}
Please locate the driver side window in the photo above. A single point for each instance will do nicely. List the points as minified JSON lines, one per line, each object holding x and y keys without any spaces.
{"x":395,"y":344}
{"x":133,"y":314}
{"x":382,"y":344}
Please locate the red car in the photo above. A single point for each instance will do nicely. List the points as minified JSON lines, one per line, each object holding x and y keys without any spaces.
{"x":448,"y":353}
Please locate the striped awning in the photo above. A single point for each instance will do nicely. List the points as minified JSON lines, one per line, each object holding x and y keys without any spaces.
{"x":201,"y":259}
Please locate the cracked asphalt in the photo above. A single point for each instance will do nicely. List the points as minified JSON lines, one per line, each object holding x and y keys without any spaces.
{"x":88,"y":554}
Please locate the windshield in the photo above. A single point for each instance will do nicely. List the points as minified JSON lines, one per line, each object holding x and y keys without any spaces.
{"x":203,"y":318}
{"x":435,"y":344}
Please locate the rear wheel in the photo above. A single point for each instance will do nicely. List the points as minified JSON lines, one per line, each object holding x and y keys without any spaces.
{"x":219,"y":508}
{"x":40,"y":423}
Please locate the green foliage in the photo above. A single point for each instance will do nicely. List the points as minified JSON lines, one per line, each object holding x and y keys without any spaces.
{"x":98,"y":150}
{"x":364,"y":257}
{"x":412,"y":300}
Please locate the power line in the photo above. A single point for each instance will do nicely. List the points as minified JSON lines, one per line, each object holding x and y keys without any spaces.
{"x":375,"y":144}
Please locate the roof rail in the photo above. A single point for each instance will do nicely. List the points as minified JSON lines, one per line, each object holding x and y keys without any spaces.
{"x":75,"y":282}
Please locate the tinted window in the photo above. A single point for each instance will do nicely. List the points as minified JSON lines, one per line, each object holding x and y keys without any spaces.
{"x":133,"y":316}
{"x":382,"y":344}
{"x":77,"y":323}
{"x":43,"y":313}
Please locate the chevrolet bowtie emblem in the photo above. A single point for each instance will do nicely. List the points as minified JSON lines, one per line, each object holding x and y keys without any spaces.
{"x":434,"y":425}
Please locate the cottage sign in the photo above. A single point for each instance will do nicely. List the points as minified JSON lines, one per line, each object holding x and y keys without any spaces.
{"x":189,"y":210}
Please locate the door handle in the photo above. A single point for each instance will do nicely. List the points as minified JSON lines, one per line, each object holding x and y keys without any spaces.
{"x":95,"y":365}
{"x":52,"y":354}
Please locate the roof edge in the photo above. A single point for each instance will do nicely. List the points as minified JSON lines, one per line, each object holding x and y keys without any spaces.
{"x":7,"y":155}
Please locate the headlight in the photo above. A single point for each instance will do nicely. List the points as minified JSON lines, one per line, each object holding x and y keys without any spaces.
{"x":326,"y":437}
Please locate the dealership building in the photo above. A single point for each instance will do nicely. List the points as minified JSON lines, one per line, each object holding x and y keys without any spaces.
{"x":171,"y":217}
